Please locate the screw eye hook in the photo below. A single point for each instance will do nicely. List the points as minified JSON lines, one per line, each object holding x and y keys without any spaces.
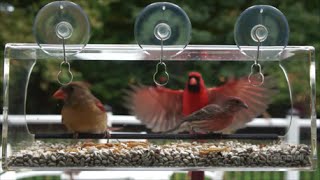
{"x":161,"y":76}
{"x":62,"y":64}
{"x":60,"y":74}
{"x":256,"y":77}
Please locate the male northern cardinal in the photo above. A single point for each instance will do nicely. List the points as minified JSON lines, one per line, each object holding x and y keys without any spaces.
{"x":162,"y":109}
{"x":213,"y":117}
{"x":82,"y":112}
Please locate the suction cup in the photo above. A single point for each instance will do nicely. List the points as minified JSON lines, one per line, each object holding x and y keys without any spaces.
{"x":264,"y":25}
{"x":163,"y":21}
{"x":61,"y":21}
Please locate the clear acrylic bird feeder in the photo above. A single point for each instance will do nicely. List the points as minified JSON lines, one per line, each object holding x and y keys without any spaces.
{"x":34,"y":138}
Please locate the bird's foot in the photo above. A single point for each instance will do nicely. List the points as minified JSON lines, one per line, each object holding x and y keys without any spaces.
{"x":107,"y":135}
{"x":75,"y":135}
{"x":193,"y":132}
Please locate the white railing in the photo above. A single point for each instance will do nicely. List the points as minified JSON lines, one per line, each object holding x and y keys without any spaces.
{"x":132,"y":120}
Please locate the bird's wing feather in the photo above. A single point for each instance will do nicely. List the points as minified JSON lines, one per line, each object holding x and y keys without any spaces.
{"x":256,"y":97}
{"x":209,"y":118}
{"x":208,"y":112}
{"x":157,"y":107}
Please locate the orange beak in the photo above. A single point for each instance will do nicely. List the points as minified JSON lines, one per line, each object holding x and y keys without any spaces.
{"x":59,"y":94}
{"x":193,"y":81}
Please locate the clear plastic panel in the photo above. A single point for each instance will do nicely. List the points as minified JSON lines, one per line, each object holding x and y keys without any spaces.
{"x":33,"y":140}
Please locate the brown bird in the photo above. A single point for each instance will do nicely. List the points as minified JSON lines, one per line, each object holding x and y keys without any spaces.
{"x":212,"y":117}
{"x":82,"y":112}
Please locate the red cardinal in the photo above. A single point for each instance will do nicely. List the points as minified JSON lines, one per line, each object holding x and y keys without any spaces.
{"x":82,"y":112}
{"x":162,"y":109}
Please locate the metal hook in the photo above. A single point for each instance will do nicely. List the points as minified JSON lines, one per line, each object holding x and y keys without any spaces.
{"x":256,"y":78}
{"x":59,"y":77}
{"x":161,"y":76}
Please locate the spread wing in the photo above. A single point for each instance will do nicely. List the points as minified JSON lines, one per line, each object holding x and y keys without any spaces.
{"x":257,"y":98}
{"x":160,"y":109}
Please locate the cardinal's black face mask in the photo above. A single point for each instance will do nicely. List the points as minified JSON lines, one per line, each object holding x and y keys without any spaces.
{"x":196,"y":87}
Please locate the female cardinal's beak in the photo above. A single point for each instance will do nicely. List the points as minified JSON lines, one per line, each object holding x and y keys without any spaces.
{"x":59,"y":94}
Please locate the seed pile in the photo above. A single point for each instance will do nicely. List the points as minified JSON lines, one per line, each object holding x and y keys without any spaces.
{"x":179,"y":154}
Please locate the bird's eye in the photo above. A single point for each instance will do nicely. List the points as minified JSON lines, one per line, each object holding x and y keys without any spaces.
{"x":236,"y":101}
{"x":69,"y":88}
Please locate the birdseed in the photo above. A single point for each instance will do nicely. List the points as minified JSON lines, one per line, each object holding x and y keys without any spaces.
{"x":178,"y":154}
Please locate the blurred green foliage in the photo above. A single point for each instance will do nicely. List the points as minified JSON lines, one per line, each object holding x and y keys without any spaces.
{"x":112,"y":22}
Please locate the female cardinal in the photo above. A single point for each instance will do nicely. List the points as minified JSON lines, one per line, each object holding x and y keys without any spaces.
{"x":82,"y":112}
{"x":162,"y":109}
